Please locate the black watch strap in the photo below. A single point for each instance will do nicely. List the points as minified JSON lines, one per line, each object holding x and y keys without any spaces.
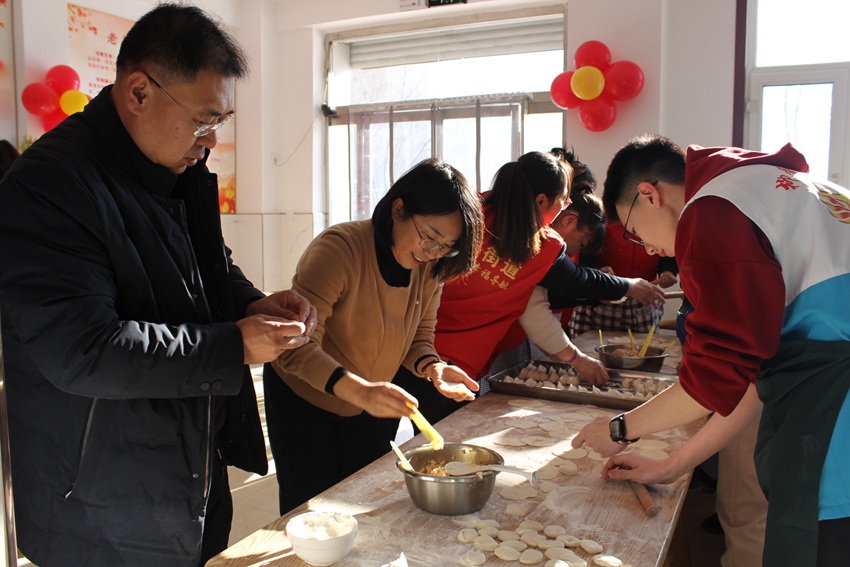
{"x":617,"y":430}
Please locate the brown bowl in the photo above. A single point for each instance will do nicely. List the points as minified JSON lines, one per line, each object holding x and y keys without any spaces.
{"x":450,"y":495}
{"x":651,"y":362}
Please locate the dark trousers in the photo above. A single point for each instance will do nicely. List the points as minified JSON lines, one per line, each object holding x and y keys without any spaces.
{"x":314,"y":449}
{"x":219,"y":513}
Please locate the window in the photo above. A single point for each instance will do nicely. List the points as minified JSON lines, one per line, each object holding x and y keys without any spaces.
{"x":798,"y":88}
{"x":474,"y":95}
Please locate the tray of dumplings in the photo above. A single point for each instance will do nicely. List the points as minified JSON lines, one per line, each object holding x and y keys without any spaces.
{"x":626,"y":389}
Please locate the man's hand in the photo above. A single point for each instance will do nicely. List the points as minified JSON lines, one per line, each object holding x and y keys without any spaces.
{"x":631,"y":466}
{"x":287,"y":304}
{"x":264,"y":337}
{"x":597,"y":436}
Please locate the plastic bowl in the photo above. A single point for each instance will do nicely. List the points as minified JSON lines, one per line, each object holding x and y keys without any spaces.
{"x":321,"y":538}
{"x":450,"y":495}
{"x":651,"y":362}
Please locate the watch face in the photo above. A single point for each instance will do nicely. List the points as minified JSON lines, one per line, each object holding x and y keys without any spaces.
{"x":615,"y":427}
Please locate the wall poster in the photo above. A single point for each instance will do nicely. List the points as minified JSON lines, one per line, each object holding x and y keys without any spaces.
{"x":94,"y":39}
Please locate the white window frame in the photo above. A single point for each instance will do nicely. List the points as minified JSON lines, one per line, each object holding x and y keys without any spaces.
{"x":836,"y":73}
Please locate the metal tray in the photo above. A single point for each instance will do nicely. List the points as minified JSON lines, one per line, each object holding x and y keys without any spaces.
{"x":498,"y":385}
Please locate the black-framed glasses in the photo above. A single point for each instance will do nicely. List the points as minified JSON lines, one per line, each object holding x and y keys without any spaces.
{"x":202,"y":128}
{"x":627,"y":234}
{"x":430,"y":245}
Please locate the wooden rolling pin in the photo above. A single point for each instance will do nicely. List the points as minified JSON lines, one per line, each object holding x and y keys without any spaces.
{"x":645,"y":499}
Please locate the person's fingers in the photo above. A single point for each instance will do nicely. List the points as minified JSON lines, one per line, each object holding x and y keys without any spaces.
{"x":578,"y":440}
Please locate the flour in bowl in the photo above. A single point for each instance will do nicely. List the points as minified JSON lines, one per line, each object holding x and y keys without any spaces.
{"x":321,"y":525}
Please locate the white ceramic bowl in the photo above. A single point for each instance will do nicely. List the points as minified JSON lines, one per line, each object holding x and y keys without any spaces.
{"x":321,"y":538}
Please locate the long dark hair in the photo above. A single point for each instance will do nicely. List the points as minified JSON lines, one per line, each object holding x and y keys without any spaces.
{"x":517,"y":222}
{"x":180,"y":40}
{"x":433,"y":187}
{"x":585,"y":204}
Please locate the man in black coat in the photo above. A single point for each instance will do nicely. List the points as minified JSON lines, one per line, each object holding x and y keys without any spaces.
{"x":126,"y":326}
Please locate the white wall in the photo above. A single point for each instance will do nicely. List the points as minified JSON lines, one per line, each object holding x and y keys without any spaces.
{"x":685,"y":48}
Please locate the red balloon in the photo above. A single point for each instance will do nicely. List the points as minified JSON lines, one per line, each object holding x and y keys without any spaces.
{"x":562,"y":93}
{"x":623,"y":80}
{"x":598,"y":114}
{"x":39,"y":99}
{"x":52,"y":119}
{"x":594,"y":53}
{"x":62,"y":78}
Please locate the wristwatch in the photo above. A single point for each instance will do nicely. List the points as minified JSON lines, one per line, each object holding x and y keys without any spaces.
{"x":617,"y":429}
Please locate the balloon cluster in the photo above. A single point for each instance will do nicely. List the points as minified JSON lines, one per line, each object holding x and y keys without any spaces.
{"x":56,"y":98}
{"x":595,"y":85}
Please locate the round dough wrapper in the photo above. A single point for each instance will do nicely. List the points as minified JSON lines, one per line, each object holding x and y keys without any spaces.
{"x":561,"y":553}
{"x":531,"y":556}
{"x":467,"y":535}
{"x":548,"y":472}
{"x":491,"y":531}
{"x":517,"y":509}
{"x":520,"y":423}
{"x":573,"y":454}
{"x":651,"y":444}
{"x":607,"y":561}
{"x":516,"y":544}
{"x":532,"y":538}
{"x":474,"y":557}
{"x":507,"y":553}
{"x":554,"y":531}
{"x":533,"y":524}
{"x":486,"y":543}
{"x":569,"y":540}
{"x":519,"y":492}
{"x":508,"y":535}
{"x":656,"y":454}
{"x":509,"y":441}
{"x":547,"y":486}
{"x":479,"y":523}
{"x":591,"y":546}
{"x":550,"y":543}
{"x":593,"y":455}
{"x":568,"y":468}
{"x":537,"y":441}
{"x":556,"y":563}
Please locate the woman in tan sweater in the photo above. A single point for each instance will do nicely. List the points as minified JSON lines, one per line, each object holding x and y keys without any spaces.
{"x":330,"y":406}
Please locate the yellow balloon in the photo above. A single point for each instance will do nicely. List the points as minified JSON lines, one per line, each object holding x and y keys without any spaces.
{"x":587,"y":82}
{"x":72,"y":101}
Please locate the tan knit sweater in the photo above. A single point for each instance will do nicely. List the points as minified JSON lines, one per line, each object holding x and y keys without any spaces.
{"x":365,"y":326}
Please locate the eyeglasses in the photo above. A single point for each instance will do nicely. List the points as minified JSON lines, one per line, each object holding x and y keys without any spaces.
{"x":203,"y":128}
{"x":628,"y":235}
{"x":430,"y":245}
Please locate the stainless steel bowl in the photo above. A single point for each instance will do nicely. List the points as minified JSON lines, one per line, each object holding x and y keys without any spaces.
{"x":450,"y":495}
{"x":651,"y":362}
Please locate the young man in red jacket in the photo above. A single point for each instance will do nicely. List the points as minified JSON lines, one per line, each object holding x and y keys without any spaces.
{"x":761,"y":248}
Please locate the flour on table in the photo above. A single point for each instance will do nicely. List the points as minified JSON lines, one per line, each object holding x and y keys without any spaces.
{"x":474,"y":557}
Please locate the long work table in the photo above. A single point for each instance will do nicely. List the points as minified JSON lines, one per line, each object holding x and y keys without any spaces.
{"x":587,"y":507}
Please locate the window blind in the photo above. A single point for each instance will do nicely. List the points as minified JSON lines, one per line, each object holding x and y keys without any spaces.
{"x":473,"y":40}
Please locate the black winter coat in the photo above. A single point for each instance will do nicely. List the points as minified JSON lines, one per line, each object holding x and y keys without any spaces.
{"x":118,"y":302}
